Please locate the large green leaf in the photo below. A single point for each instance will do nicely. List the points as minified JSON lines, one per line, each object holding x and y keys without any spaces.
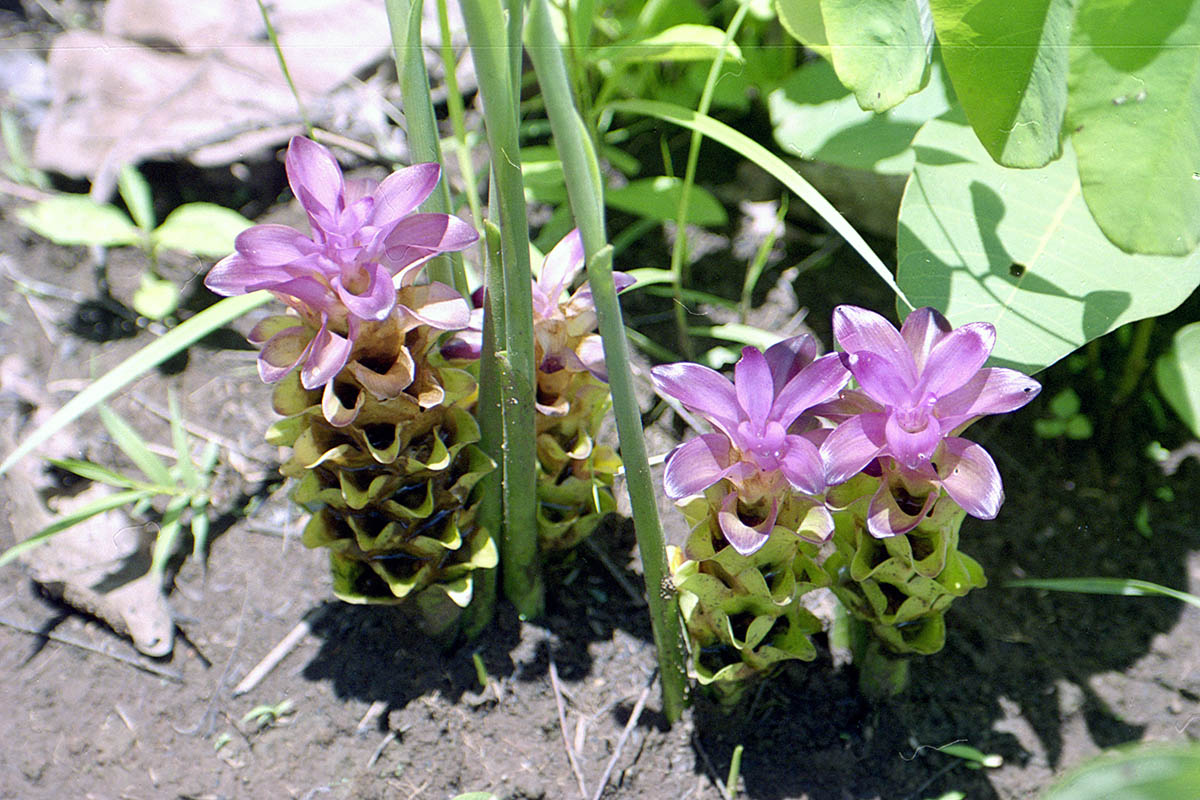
{"x":803,"y":20}
{"x":817,"y":118}
{"x":1007,"y":60}
{"x":1135,"y":118}
{"x":880,"y":49}
{"x":1149,"y":772}
{"x":1177,"y":373}
{"x":1019,"y":249}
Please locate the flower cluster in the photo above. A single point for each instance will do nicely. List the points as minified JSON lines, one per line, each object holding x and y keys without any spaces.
{"x":367,"y":241}
{"x":918,"y":387}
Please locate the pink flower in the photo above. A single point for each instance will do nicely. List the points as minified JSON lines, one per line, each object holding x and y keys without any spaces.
{"x":920,"y":386}
{"x":366,"y":242}
{"x":757,"y":446}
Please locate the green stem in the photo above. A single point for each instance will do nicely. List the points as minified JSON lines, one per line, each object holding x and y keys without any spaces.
{"x":454,"y":104}
{"x":679,"y":265}
{"x":1135,"y":361}
{"x":586,"y":194}
{"x":283,"y":67}
{"x":424,"y":145}
{"x":491,"y":44}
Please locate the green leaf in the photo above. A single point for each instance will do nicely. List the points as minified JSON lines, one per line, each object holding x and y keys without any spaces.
{"x":738,"y":333}
{"x":134,"y":446}
{"x":220,"y":313}
{"x":1128,"y":587}
{"x":74,"y":219}
{"x":879,"y":48}
{"x":1148,"y":772}
{"x":179,"y":438}
{"x":1177,"y":373}
{"x":99,"y":473}
{"x":1134,"y":113}
{"x":77,"y":516}
{"x":1018,"y":249}
{"x":1065,"y":404}
{"x":168,"y":535}
{"x":816,"y":118}
{"x":658,"y":199}
{"x":1007,"y":60}
{"x":803,"y":20}
{"x":156,"y":297}
{"x":774,"y":165}
{"x":204,"y":229}
{"x":135,"y":191}
{"x":686,"y":42}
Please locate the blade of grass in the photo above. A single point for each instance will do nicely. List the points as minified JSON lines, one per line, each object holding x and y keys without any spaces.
{"x":755,"y":270}
{"x":100,"y":474}
{"x":424,"y":145}
{"x":150,"y":356}
{"x":585,"y":192}
{"x":774,"y":165}
{"x":491,"y":37}
{"x":1129,"y":587}
{"x":134,"y":446}
{"x":283,"y":67}
{"x":679,"y":266}
{"x":108,"y":503}
{"x":179,"y":438}
{"x":168,"y":535}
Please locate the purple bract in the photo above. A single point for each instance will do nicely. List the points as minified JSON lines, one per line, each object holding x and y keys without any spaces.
{"x":366,"y":242}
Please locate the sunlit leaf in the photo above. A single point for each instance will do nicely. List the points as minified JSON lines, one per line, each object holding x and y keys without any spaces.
{"x":658,"y":199}
{"x":106,"y":503}
{"x":1019,"y":249}
{"x":1149,"y":772}
{"x":879,"y":48}
{"x":686,"y":42}
{"x":203,"y":229}
{"x":1007,"y":60}
{"x":803,"y":20}
{"x":155,"y":297}
{"x":1128,"y":587}
{"x":73,"y":219}
{"x":135,"y":191}
{"x":134,"y":447}
{"x":1177,"y":373}
{"x":818,"y":119}
{"x":1134,"y":114}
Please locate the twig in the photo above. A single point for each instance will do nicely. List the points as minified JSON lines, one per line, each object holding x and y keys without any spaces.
{"x":613,"y":570}
{"x":374,"y":712}
{"x":713,"y":775}
{"x":391,"y":736}
{"x":562,"y":726}
{"x":279,"y":652}
{"x":154,"y":669}
{"x":629,"y":726}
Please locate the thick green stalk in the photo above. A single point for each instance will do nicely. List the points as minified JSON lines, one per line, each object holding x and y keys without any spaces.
{"x":679,"y":265}
{"x":490,"y":43}
{"x":457,"y":113}
{"x":586,"y":194}
{"x":424,"y":145}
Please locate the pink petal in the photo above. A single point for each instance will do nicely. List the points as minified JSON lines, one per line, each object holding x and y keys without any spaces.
{"x":274,"y":245}
{"x":912,"y":448}
{"x":234,"y":274}
{"x":753,"y":385}
{"x":741,"y":537}
{"x":970,"y":477}
{"x":815,"y":383}
{"x":591,"y":353}
{"x":801,"y":464}
{"x":401,"y":192}
{"x":852,"y":446}
{"x":922,"y":329}
{"x":957,"y":357}
{"x":696,"y":465}
{"x":993,"y":390}
{"x":376,"y":301}
{"x":703,"y":390}
{"x":858,"y":330}
{"x":328,"y":355}
{"x":561,"y":265}
{"x":788,"y":357}
{"x":880,"y":379}
{"x":315,"y":178}
{"x":308,"y":291}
